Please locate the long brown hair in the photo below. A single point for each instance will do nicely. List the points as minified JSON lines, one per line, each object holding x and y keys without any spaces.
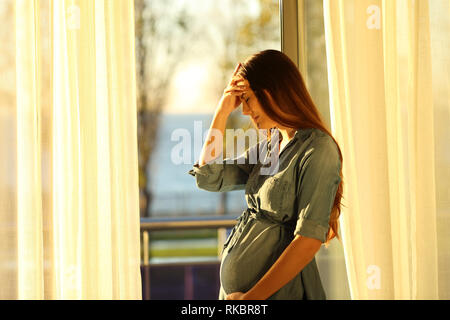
{"x":273,"y":71}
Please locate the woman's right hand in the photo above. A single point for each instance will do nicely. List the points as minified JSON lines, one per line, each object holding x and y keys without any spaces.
{"x":231,"y":97}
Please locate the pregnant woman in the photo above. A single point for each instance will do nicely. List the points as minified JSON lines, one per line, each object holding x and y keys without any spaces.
{"x":293,"y":210}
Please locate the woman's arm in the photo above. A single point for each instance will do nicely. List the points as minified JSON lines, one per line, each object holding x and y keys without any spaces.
{"x":214,"y":141}
{"x":293,"y":259}
{"x":230,"y":100}
{"x":222,"y":176}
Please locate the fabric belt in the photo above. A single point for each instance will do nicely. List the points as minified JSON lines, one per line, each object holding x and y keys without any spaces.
{"x":242,"y":221}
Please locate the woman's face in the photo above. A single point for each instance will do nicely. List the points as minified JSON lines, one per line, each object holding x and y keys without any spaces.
{"x":251,"y":107}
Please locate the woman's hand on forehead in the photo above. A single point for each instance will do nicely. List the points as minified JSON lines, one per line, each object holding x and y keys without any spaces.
{"x":244,"y":95}
{"x":239,"y":80}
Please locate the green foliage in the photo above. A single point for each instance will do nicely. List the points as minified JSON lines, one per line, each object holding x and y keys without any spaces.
{"x":183,"y":234}
{"x":184,"y":252}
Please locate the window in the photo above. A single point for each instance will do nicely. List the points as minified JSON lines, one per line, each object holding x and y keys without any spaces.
{"x":186,"y":52}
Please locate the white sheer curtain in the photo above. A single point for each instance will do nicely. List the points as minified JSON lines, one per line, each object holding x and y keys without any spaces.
{"x":69,"y":208}
{"x":388,"y":65}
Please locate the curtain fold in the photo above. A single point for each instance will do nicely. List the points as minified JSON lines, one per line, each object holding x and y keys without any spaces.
{"x":388,"y":70}
{"x":29,"y":182}
{"x":69,"y":174}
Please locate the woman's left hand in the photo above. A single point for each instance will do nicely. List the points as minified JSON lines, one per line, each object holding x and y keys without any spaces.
{"x":235,"y":296}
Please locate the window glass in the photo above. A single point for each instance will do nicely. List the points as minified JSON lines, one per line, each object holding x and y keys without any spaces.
{"x":186,"y":52}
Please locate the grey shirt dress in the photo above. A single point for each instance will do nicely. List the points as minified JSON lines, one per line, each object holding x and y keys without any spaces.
{"x":296,"y":199}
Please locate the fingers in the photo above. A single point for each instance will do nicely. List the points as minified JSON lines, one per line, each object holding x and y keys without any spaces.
{"x":236,"y":89}
{"x":235,"y":77}
{"x":236,"y":81}
{"x":236,"y":69}
{"x":239,"y":80}
{"x":237,"y":93}
{"x":237,"y":85}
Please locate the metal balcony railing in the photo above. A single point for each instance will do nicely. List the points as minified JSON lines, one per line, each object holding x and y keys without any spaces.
{"x":221,"y":223}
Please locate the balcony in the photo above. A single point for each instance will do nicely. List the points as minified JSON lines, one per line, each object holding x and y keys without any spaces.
{"x":182,"y":269}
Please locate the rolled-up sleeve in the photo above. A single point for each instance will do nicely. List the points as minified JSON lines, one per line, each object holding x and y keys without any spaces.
{"x":229,"y":175}
{"x":319,"y":178}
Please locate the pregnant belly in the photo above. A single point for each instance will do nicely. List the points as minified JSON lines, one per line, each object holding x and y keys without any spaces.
{"x":256,"y":250}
